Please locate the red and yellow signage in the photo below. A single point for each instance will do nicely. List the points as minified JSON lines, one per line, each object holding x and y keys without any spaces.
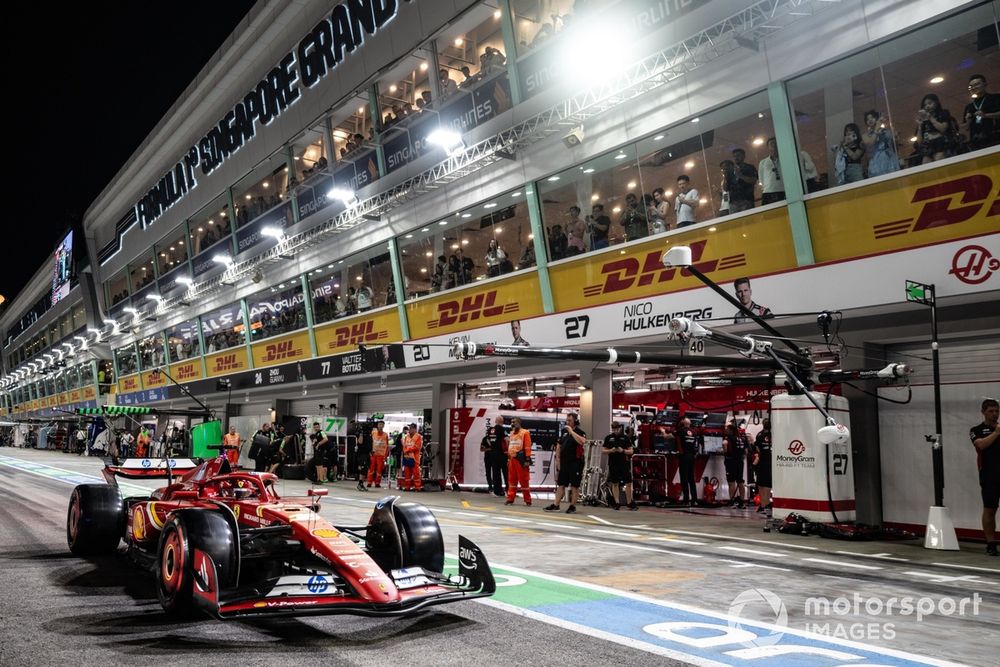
{"x":281,"y":349}
{"x":75,"y":396}
{"x":948,"y":203}
{"x":345,"y":335}
{"x":186,"y":371}
{"x":151,"y":379}
{"x":89,"y":393}
{"x":515,"y":298}
{"x":748,"y":246}
{"x":128,"y":383}
{"x":231,"y":361}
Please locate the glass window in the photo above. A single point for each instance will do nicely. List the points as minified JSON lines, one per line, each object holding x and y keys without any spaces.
{"x":696,"y":171}
{"x":355,"y":284}
{"x":65,"y":325}
{"x":86,"y":375}
{"x":310,"y":156}
{"x":352,"y":127}
{"x":172,"y":251}
{"x":105,"y":375}
{"x":79,"y":317}
{"x":127,"y":360}
{"x":151,"y":352}
{"x":262,"y":189}
{"x":118,"y":287}
{"x":483,"y":241}
{"x":405,"y":90}
{"x":537,"y":21}
{"x":53,"y":335}
{"x":209,"y":226}
{"x":901,"y":104}
{"x":471,"y":50}
{"x":141,"y":273}
{"x":183,"y":342}
{"x":60,"y":382}
{"x":277,"y":311}
{"x":223,"y":328}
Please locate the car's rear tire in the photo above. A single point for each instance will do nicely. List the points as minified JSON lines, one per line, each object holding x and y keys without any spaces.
{"x":187,"y":530}
{"x":95,"y":520}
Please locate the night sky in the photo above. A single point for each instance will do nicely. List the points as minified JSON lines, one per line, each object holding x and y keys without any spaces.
{"x":85,"y":83}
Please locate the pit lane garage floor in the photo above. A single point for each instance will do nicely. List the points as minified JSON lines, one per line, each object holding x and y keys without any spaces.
{"x":653,"y":587}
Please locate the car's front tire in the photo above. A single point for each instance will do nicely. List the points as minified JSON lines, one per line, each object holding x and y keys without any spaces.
{"x":185,"y":531}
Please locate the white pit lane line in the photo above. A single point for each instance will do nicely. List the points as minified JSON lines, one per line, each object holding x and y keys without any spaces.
{"x":628,"y":546}
{"x":840,"y":563}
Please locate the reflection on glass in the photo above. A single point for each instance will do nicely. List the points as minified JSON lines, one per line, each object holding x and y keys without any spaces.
{"x":487,"y":240}
{"x":183,"y":342}
{"x":141,"y":273}
{"x":172,"y":252}
{"x":263,"y":189}
{"x":223,"y":328}
{"x":151,"y":352}
{"x":118,"y":287}
{"x":209,"y":226}
{"x":126,"y":359}
{"x":276,"y":311}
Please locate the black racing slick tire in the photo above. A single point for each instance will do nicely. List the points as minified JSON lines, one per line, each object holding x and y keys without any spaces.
{"x":420,"y":534}
{"x":185,"y":531}
{"x":95,"y":521}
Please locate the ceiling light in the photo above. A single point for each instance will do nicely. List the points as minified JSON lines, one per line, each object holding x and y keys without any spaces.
{"x":423,"y":270}
{"x":616,"y":209}
{"x":553,"y":179}
{"x":423,"y":67}
{"x":588,"y":170}
{"x":450,"y":140}
{"x":695,"y":120}
{"x":459,"y":41}
{"x":631,"y":185}
{"x":465,"y":241}
{"x":712,"y":229}
{"x":490,"y":205}
{"x":620,"y":156}
{"x":515,"y":194}
{"x":636,"y":391}
{"x":361,"y":109}
{"x":392,"y":88}
{"x":658,"y":137}
{"x":464,"y":215}
{"x":343,"y":194}
{"x":622,"y":377}
{"x":759,"y":141}
{"x":937,"y":79}
{"x":689,"y":164}
{"x":273,"y":232}
{"x":223,"y":259}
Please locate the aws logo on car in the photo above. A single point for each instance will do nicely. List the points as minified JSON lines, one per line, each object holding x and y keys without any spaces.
{"x":629,"y":272}
{"x":973,"y":193}
{"x":482,"y":305}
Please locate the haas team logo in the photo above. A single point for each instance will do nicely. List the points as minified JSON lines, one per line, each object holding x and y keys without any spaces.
{"x":796,"y":448}
{"x":973,"y":264}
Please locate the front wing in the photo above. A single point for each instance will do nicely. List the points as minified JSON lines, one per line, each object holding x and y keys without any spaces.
{"x":418,"y":589}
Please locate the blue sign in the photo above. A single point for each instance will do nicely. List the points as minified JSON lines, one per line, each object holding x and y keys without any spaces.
{"x":250,"y":235}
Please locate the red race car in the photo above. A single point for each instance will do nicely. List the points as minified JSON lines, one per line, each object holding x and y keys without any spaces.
{"x":227,"y":543}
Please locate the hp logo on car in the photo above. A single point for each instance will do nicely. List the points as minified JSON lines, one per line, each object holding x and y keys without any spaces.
{"x":317,"y":584}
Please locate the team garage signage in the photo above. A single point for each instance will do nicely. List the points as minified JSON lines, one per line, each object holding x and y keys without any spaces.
{"x":493,"y":303}
{"x":327,"y":45}
{"x":347,"y":334}
{"x":753,"y":245}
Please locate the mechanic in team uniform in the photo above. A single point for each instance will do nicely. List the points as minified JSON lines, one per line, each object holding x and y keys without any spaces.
{"x":231,"y":445}
{"x":985,"y":438}
{"x":761,"y":460}
{"x":498,"y":457}
{"x":687,"y":446}
{"x":320,"y":447}
{"x":380,"y":450}
{"x":362,"y":455}
{"x":413,"y":444}
{"x":260,"y":448}
{"x":735,"y":447}
{"x":569,"y":464}
{"x":619,"y":450}
{"x":519,"y":462}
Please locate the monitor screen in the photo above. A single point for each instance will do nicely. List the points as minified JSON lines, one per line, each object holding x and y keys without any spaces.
{"x":715,"y":419}
{"x":697,"y":418}
{"x":62,"y":272}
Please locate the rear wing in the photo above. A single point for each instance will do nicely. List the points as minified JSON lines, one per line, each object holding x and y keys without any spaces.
{"x":148,"y":468}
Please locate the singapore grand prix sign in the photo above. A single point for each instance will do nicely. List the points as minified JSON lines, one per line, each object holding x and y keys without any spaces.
{"x":327,"y":45}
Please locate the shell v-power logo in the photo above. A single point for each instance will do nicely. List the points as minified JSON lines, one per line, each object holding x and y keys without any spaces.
{"x":283,"y":350}
{"x":628,"y":272}
{"x":972,"y":192}
{"x":354,"y":334}
{"x":470,"y":308}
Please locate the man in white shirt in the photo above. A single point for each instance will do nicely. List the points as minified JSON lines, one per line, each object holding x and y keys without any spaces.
{"x":448,"y":87}
{"x":686,"y":202}
{"x":770,"y":174}
{"x":364,"y":296}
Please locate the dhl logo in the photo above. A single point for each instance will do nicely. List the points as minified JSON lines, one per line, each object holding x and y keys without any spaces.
{"x":354,"y":334}
{"x":130,"y":383}
{"x":470,"y":308}
{"x":226,"y":362}
{"x":186,"y":372}
{"x":972,"y":193}
{"x":284,"y":350}
{"x":628,"y":272}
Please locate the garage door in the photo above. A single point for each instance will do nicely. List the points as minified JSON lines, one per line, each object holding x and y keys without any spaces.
{"x":412,"y":401}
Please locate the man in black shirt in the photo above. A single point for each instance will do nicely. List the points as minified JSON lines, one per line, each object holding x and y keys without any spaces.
{"x":498,"y":458}
{"x":984,"y":438}
{"x":687,"y":446}
{"x":619,"y":450}
{"x":735,"y":448}
{"x":600,"y":224}
{"x":740,"y":182}
{"x":982,"y":115}
{"x":363,"y":455}
{"x":761,"y":460}
{"x":569,"y":464}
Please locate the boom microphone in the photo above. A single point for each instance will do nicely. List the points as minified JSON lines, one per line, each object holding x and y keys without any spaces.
{"x":823,"y":320}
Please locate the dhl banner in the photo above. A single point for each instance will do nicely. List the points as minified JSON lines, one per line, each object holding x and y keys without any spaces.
{"x":232,"y":360}
{"x":129,"y":383}
{"x":186,"y":371}
{"x":956,"y":201}
{"x":152,"y":379}
{"x":90,"y":393}
{"x":754,"y":245}
{"x":476,"y":306}
{"x":281,"y":349}
{"x":345,"y":335}
{"x":75,"y":396}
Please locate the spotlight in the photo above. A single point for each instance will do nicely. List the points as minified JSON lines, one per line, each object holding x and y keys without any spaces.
{"x":574,"y":138}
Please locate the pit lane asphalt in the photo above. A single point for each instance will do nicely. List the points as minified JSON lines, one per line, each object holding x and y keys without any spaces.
{"x":57,"y":609}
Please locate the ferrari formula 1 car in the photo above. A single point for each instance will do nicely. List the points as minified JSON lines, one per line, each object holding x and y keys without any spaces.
{"x":227,"y":543}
